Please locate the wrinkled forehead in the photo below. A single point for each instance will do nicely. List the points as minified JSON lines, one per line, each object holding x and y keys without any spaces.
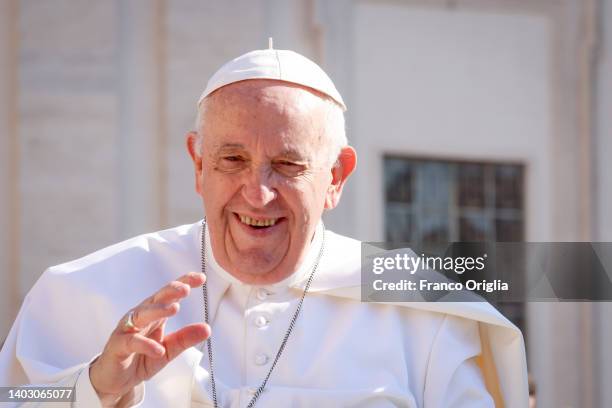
{"x":256,"y":94}
{"x":295,"y":113}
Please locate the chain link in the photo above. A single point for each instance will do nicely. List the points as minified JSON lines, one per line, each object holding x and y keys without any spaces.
{"x":260,"y":389}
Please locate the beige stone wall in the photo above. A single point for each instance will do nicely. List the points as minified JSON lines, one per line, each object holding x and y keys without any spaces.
{"x":58,"y":135}
{"x":67,"y":131}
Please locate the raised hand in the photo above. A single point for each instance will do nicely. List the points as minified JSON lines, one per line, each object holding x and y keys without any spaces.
{"x":138,"y":348}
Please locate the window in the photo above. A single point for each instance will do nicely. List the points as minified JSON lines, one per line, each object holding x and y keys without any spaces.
{"x":435,"y":201}
{"x":429,"y":201}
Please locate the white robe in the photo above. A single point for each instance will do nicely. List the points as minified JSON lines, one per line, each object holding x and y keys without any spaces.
{"x":342,"y":352}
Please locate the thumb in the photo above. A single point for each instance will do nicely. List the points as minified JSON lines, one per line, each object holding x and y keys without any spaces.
{"x":184,"y":338}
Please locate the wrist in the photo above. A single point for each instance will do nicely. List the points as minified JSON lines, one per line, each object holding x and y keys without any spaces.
{"x":112,"y":401}
{"x":107,"y":399}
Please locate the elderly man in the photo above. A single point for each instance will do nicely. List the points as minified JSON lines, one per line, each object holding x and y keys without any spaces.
{"x":262,"y":305}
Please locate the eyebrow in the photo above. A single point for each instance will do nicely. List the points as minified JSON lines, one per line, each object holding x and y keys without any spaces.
{"x":227,"y":147}
{"x":289,"y":153}
{"x":293,"y":154}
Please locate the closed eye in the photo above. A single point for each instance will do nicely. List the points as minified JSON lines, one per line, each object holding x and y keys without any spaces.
{"x":233,"y":158}
{"x":231,"y":163}
{"x":289,"y":168}
{"x":287,"y":163}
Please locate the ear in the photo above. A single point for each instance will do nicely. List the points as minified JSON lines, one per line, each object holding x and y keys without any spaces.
{"x":347,"y":160}
{"x":196,"y":157}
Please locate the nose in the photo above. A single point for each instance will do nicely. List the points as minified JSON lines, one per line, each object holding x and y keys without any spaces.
{"x":257,"y":189}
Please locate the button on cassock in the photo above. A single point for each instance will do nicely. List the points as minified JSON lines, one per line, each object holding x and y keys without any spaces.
{"x":261,"y":359}
{"x":261,"y":321}
{"x":261,"y":294}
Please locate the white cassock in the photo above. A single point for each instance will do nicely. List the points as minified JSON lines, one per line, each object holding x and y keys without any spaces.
{"x":342,"y":352}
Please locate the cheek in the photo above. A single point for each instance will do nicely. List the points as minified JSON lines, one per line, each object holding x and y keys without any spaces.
{"x":217,"y":188}
{"x":306,"y":197}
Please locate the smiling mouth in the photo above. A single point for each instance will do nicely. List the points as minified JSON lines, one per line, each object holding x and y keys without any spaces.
{"x":257,"y":223}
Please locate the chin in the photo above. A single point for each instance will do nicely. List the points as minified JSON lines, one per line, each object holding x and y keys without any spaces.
{"x":257,"y":265}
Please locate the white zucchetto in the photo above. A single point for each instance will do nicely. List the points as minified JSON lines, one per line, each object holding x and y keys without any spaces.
{"x":281,"y":65}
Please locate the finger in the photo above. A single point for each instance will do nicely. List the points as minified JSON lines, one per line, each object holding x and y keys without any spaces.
{"x":179,"y":288}
{"x":158,"y":333}
{"x":193,"y":279}
{"x":139,"y":344}
{"x":184,"y":338}
{"x":172,"y":292}
{"x":144,"y":315}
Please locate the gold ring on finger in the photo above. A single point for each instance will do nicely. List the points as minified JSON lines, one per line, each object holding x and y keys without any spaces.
{"x":129,"y":325}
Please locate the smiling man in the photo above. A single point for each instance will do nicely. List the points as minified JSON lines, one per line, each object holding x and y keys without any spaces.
{"x":257,"y":304}
{"x":270,"y":156}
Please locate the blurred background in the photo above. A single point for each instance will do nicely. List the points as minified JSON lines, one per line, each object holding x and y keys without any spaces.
{"x":473,"y":119}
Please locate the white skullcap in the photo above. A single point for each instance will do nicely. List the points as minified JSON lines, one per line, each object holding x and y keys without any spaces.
{"x":282,"y":65}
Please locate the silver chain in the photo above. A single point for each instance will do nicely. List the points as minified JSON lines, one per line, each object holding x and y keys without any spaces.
{"x":260,"y":389}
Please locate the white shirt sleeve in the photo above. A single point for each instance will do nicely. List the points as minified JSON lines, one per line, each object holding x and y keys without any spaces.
{"x":453,"y":378}
{"x":86,"y":395}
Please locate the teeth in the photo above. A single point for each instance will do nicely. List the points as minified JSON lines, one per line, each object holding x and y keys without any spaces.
{"x":258,"y":223}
